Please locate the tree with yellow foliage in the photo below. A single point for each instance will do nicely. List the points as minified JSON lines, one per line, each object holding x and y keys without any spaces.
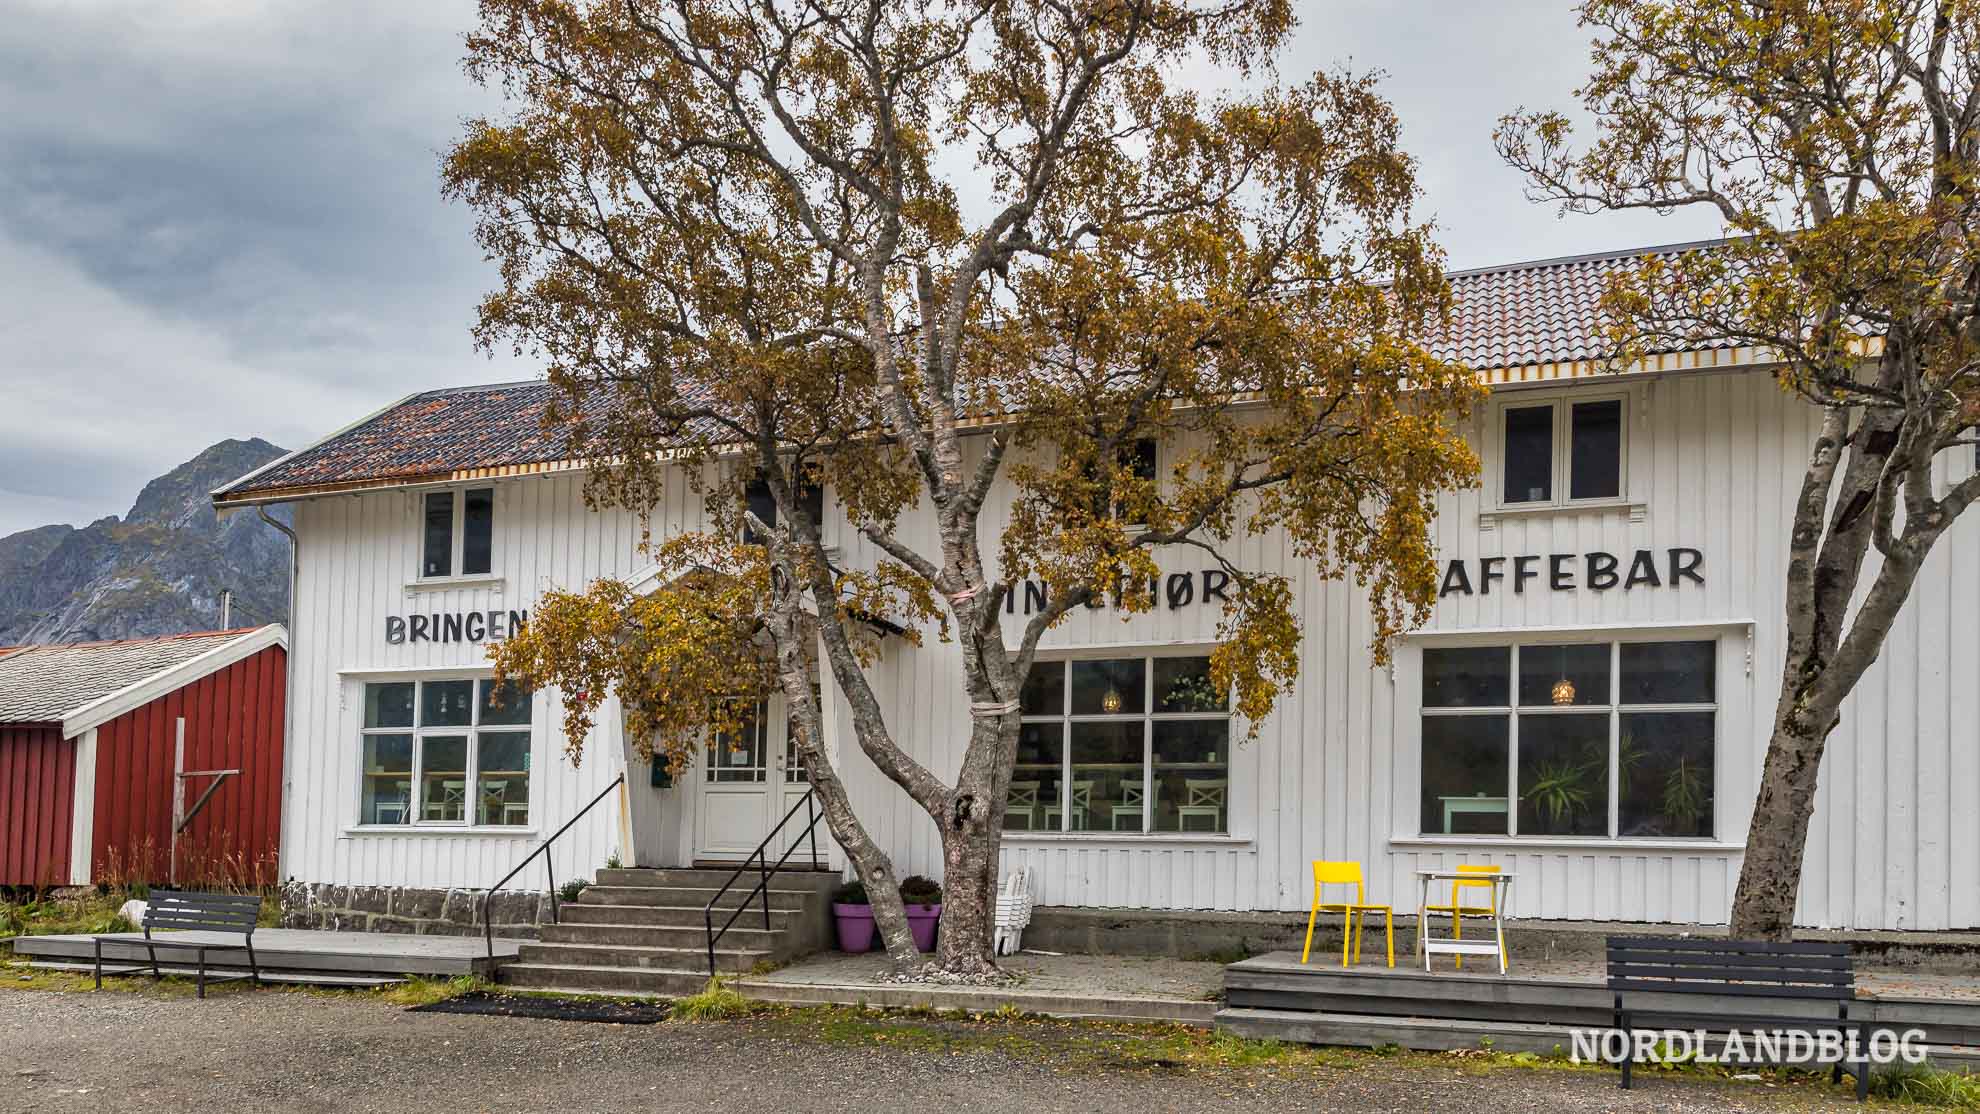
{"x":1839,"y":143}
{"x":931,"y":256}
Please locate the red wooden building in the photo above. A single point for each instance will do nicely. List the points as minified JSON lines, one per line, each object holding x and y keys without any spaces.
{"x":103,"y":744}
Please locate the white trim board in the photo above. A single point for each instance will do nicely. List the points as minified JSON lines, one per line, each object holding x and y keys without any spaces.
{"x":82,"y":811}
{"x":138,"y":694}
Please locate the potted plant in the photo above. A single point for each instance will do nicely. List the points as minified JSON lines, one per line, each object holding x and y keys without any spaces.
{"x":923,"y":898}
{"x":854,"y":916}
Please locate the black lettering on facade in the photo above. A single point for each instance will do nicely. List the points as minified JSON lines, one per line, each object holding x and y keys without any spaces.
{"x":1181,"y":589}
{"x":450,"y":627}
{"x":1602,"y":571}
{"x":475,"y":626}
{"x":1522,"y":572}
{"x":1684,"y":566}
{"x":1560,"y":578}
{"x":1642,"y":570}
{"x":1214,"y":582}
{"x":417,"y":631}
{"x":1034,"y":596}
{"x":1488,"y":572}
{"x":1455,"y":580}
{"x":395,"y":629}
{"x":516,"y":621}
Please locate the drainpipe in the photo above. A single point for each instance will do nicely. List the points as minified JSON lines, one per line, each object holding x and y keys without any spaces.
{"x":288,"y":691}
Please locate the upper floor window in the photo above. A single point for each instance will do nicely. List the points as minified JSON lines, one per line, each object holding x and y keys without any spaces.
{"x":458,"y":533}
{"x":763,"y":505}
{"x":1140,"y":461}
{"x":1561,"y":451}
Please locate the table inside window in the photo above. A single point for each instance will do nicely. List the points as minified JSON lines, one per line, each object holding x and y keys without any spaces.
{"x":1455,"y":805}
{"x":1426,"y":945}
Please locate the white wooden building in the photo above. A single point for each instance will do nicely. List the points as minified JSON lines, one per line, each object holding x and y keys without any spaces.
{"x":1588,"y":706}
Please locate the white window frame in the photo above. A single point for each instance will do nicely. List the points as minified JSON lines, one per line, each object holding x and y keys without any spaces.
{"x":1513,"y":641}
{"x":413,"y":822}
{"x":1562,"y":404}
{"x":1148,"y":718}
{"x":458,"y":542}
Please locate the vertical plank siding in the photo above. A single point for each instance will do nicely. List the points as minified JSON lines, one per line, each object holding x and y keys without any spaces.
{"x":234,"y":719}
{"x":1712,"y":463}
{"x":37,"y":784}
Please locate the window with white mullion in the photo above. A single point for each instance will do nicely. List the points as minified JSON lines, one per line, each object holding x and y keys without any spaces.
{"x":444,"y":753}
{"x":457,"y":529}
{"x":1608,"y":739}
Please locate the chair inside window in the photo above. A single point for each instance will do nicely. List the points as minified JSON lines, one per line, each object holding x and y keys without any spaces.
{"x":1352,"y":912}
{"x":1459,"y":910}
{"x":1131,"y":801}
{"x":1021,"y":800}
{"x":451,"y":804}
{"x":1080,"y":794}
{"x":393,"y":809}
{"x":1203,"y":798}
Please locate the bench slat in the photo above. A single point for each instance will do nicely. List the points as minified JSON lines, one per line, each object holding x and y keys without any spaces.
{"x":1741,"y":990}
{"x":1757,"y":975}
{"x":1693,"y":959}
{"x":196,"y":910}
{"x":1736,"y":947}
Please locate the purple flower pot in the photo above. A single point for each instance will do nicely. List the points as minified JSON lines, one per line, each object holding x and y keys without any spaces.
{"x":921,"y":921}
{"x":855,"y":927}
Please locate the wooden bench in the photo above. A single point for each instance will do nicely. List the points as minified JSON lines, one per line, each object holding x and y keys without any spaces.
{"x":199,"y":923}
{"x":1807,"y":976}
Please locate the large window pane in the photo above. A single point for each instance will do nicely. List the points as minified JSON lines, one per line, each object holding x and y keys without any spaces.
{"x":1668,"y":673}
{"x":437,"y":558}
{"x":388,"y":705}
{"x":477,"y":530}
{"x":443,"y":778}
{"x":1464,"y":775}
{"x":504,"y":704}
{"x":1106,"y":787}
{"x":1044,"y":692}
{"x":1529,"y":449}
{"x":1564,"y":775}
{"x":1664,"y":774}
{"x":502,"y":795}
{"x":386,"y":795}
{"x":1543,"y":668}
{"x":1036,"y":777}
{"x":446,"y":703}
{"x":1108,"y":687}
{"x":1595,"y":450}
{"x":1192,"y":775}
{"x":1183,"y":685}
{"x":1467,"y":677}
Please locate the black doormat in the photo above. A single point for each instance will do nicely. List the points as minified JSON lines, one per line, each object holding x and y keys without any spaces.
{"x":549,"y":1009}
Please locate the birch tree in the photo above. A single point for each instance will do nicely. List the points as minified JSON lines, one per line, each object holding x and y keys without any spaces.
{"x":917,"y":253}
{"x":1836,"y":140}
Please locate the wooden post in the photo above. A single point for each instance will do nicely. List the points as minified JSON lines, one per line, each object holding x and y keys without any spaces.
{"x":178,"y":797}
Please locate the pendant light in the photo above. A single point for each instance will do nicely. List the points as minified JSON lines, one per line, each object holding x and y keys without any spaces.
{"x":1564,"y":688}
{"x":1111,"y":702}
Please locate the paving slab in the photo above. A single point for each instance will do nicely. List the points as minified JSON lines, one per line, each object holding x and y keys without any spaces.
{"x":1081,"y":986}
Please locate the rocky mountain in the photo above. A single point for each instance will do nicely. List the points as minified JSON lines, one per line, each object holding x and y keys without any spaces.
{"x":158,"y":570}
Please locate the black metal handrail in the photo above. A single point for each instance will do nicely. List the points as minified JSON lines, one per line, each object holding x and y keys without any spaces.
{"x":761,"y":856}
{"x":549,"y":872}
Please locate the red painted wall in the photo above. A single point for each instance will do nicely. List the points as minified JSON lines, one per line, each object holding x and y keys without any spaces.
{"x":37,"y":794}
{"x":233,"y":721}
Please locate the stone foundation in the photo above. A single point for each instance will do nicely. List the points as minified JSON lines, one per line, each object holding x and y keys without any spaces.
{"x":321,"y":905}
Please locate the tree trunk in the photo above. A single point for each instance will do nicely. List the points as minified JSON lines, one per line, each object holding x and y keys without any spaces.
{"x":969,"y":892}
{"x":1770,"y":877}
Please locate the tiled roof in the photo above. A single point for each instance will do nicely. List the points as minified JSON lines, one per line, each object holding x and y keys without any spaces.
{"x":1515,"y":322}
{"x":47,"y":683}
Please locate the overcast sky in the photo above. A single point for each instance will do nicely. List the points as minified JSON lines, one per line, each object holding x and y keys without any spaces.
{"x":221,"y":218}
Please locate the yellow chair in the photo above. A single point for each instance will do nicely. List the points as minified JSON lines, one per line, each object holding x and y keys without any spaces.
{"x":1352,"y":913}
{"x":1459,"y":910}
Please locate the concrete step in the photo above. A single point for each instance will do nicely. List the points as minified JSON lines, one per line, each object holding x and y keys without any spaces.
{"x":662,"y":936}
{"x":727,"y":958}
{"x":808,"y":880}
{"x":697,"y":896}
{"x":669,"y":916}
{"x":606,"y":980}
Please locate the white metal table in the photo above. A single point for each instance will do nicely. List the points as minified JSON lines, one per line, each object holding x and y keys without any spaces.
{"x":1426,"y":945}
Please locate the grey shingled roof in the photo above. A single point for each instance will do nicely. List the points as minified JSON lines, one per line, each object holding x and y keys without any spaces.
{"x":44,"y":684}
{"x":1519,"y":316}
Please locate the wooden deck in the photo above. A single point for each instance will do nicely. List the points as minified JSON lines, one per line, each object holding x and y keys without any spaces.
{"x":1370,"y":1006}
{"x":306,"y":951}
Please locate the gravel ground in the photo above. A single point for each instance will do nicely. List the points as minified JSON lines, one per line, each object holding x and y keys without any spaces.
{"x":1077,"y":975}
{"x":271,"y":1050}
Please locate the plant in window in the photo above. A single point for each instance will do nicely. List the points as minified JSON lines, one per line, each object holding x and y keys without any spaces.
{"x":1559,"y":791}
{"x":1684,"y":795}
{"x":1193,"y":693}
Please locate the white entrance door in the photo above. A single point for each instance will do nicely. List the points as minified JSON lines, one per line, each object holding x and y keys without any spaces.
{"x":748,"y":783}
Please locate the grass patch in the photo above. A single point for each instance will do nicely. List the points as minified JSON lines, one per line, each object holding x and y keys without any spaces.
{"x":1926,"y":1086}
{"x":716,"y":1002}
{"x":419,"y":991}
